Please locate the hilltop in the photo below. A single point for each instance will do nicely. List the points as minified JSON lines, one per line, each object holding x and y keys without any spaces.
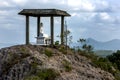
{"x":33,"y":62}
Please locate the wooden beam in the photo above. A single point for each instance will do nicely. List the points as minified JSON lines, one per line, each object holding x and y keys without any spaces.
{"x":52,"y":30}
{"x":27,"y":30}
{"x":62,"y":30}
{"x":38,"y":25}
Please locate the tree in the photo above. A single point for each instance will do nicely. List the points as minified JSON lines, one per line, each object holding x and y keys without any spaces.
{"x":82,"y":41}
{"x":84,"y":46}
{"x":115,"y":58}
{"x":88,"y":48}
{"x":67,"y":37}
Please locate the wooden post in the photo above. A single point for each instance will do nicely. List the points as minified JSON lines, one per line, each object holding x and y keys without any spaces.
{"x":38,"y":25}
{"x":27,"y":30}
{"x":52,"y":30}
{"x":62,"y":30}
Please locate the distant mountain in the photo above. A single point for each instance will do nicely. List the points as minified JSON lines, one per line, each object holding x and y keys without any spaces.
{"x":109,"y":45}
{"x":98,"y":45}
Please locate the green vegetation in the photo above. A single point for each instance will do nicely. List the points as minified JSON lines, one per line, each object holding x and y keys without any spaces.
{"x":62,"y":49}
{"x":67,"y":37}
{"x":48,"y":52}
{"x":67,"y":66}
{"x":42,"y":74}
{"x":110,"y":64}
{"x":87,"y":48}
{"x":115,"y":59}
{"x":47,"y":74}
{"x":57,"y":43}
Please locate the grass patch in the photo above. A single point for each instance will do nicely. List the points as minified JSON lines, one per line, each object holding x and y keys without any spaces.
{"x":47,"y":74}
{"x":43,"y":74}
{"x":62,"y":49}
{"x":48,"y":52}
{"x":67,"y":66}
{"x":32,"y":78}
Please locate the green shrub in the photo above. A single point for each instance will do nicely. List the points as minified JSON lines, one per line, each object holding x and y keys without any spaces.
{"x":91,"y":56}
{"x":115,"y":58}
{"x":62,"y":49}
{"x":47,"y":74}
{"x":57,"y":43}
{"x":67,"y":66}
{"x":103,"y":65}
{"x":42,"y":74}
{"x":48,"y":52}
{"x":100,"y":62}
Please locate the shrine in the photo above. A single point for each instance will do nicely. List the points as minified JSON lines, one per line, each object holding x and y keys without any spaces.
{"x":44,"y":13}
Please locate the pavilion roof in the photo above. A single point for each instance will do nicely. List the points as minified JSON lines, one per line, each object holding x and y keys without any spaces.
{"x":43,"y":12}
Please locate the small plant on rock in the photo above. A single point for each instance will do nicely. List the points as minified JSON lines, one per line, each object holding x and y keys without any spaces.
{"x":67,"y":66}
{"x":48,"y":52}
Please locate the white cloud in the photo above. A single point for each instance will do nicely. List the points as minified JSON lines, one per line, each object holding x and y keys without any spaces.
{"x":75,"y":14}
{"x":105,"y":16}
{"x":5,"y":4}
{"x":88,"y":6}
{"x":3,"y":12}
{"x":20,"y":1}
{"x":74,"y":3}
{"x":83,"y":5}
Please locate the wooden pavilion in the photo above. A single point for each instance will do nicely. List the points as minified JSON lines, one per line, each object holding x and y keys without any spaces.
{"x":44,"y":13}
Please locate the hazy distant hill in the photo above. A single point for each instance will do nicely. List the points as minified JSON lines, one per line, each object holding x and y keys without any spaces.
{"x":109,"y":45}
{"x":98,"y":45}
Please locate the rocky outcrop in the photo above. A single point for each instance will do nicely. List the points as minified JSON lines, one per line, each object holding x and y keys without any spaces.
{"x":20,"y":61}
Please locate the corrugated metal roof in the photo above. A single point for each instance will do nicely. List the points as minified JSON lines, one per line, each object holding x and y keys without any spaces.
{"x":43,"y":12}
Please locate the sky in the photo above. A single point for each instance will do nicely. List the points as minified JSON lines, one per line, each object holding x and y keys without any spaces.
{"x":97,"y":19}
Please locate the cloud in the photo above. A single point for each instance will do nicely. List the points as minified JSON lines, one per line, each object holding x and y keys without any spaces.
{"x":105,"y":16}
{"x":81,"y":5}
{"x":20,"y":1}
{"x":4,"y":4}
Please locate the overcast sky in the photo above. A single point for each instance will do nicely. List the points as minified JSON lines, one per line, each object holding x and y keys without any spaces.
{"x":97,"y":19}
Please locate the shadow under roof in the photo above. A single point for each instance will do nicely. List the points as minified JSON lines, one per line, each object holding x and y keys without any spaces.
{"x":43,"y":12}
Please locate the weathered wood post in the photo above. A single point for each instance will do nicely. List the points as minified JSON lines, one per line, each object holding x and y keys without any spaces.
{"x":38,"y":25}
{"x":62,"y":30}
{"x":52,"y":30}
{"x":27,"y":29}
